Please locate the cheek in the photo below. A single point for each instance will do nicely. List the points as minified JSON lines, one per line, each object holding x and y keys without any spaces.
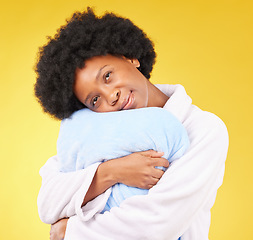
{"x":104,"y":107}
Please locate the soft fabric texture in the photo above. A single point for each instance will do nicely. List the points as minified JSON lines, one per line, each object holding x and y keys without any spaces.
{"x":88,"y":137}
{"x":180,"y":203}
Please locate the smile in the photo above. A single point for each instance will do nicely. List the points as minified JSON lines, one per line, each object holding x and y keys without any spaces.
{"x":128,"y":102}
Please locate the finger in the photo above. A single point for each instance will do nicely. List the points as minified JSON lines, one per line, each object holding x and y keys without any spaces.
{"x":152,"y":154}
{"x":160,"y":162}
{"x":157,"y":173}
{"x":155,"y":181}
{"x":150,"y":186}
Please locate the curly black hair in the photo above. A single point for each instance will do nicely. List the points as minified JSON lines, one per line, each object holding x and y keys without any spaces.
{"x":84,"y":36}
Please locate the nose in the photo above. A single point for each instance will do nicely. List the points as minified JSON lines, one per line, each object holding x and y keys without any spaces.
{"x":113,"y":97}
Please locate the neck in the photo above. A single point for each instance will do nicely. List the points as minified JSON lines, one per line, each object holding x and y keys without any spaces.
{"x":156,"y":98}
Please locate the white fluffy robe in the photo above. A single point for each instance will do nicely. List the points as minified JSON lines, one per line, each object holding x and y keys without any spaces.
{"x":179,"y":205}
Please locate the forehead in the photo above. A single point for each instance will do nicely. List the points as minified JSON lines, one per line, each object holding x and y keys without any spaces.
{"x":98,"y":61}
{"x":93,"y":65}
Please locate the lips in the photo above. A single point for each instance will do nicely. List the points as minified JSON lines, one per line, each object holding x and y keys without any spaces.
{"x":128,"y":101}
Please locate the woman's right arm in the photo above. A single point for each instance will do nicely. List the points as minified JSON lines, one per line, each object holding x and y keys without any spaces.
{"x":59,"y":191}
{"x":64,"y":194}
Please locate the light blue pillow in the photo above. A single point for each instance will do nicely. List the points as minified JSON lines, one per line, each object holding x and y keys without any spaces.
{"x":88,"y":137}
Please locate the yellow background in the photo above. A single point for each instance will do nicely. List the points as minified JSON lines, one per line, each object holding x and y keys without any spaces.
{"x":204,"y":45}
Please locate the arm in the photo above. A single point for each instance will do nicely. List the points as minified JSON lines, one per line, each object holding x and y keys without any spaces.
{"x":63,"y":194}
{"x":136,"y":170}
{"x":171,"y":205}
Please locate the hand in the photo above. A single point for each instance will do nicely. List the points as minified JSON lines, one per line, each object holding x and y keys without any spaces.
{"x":138,"y":169}
{"x":58,"y":229}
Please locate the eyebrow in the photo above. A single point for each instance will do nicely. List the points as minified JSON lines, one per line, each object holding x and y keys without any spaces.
{"x":97,"y":77}
{"x":99,"y":71}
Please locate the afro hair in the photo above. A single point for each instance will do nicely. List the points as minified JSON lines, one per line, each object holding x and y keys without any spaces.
{"x":84,"y":36}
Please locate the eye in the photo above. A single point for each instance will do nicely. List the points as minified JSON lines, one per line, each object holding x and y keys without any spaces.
{"x":94,"y":101}
{"x":107,"y":76}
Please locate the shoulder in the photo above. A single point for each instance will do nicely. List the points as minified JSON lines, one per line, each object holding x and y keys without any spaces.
{"x":202,"y":125}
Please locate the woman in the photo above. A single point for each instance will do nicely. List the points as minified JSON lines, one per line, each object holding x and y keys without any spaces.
{"x":104,"y":64}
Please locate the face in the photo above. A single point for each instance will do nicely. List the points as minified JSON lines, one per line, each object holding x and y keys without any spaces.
{"x":109,"y":83}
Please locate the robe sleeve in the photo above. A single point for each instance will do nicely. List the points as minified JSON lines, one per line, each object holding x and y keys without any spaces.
{"x":176,"y":201}
{"x":61,"y":194}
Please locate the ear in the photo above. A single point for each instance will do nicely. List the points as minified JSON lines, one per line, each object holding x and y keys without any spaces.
{"x":134,"y":61}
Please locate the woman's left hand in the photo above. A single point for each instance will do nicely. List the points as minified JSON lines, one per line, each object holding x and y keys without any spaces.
{"x":58,"y":229}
